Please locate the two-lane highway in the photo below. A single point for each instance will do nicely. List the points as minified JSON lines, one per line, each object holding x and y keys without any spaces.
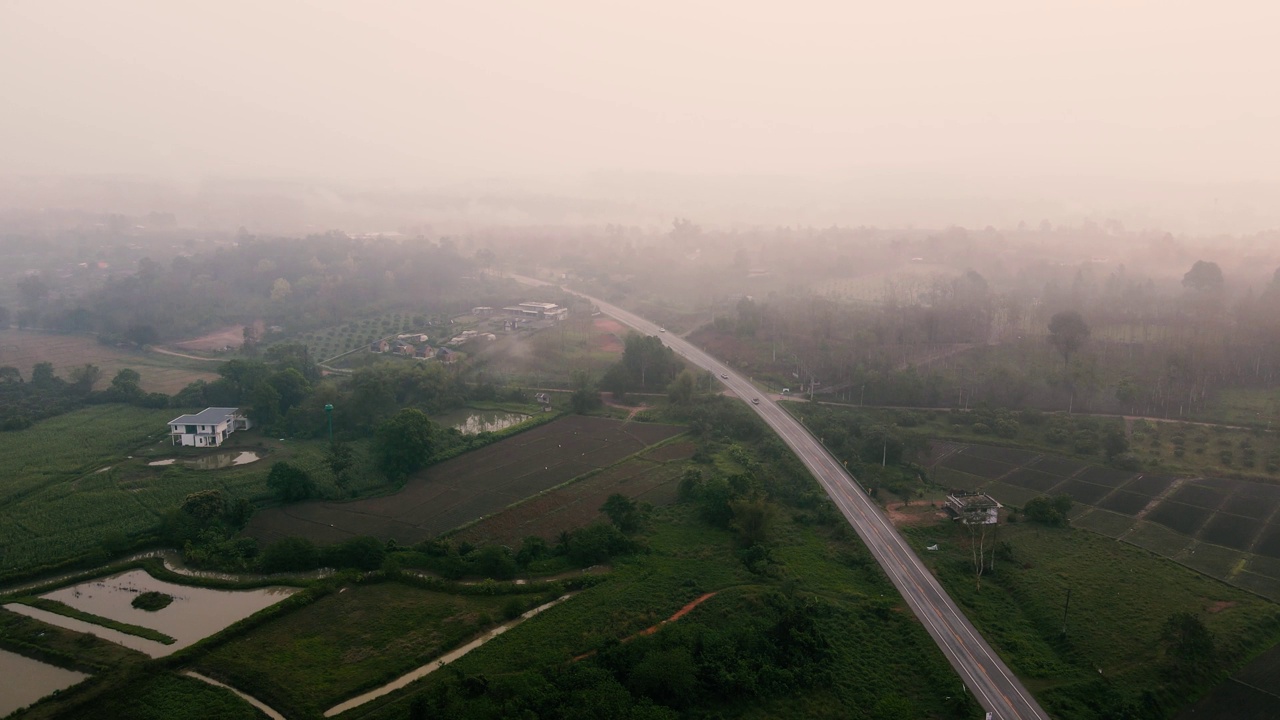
{"x":983,"y":672}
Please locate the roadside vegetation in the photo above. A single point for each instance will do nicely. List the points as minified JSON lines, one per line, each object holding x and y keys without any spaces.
{"x":1141,"y":636}
{"x":795,"y":619}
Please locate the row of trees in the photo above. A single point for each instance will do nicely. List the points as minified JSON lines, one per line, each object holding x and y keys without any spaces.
{"x":301,"y":283}
{"x":24,"y":401}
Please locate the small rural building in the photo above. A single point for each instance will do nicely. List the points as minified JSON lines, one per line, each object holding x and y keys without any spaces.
{"x":544,"y":311}
{"x":541,"y":311}
{"x":973,"y":508}
{"x":207,"y":428}
{"x":482,"y":311}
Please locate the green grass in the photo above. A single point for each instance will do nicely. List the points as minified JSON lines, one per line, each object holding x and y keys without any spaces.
{"x":879,"y":650}
{"x":1212,"y":560}
{"x":65,"y":610}
{"x":350,"y":641}
{"x":60,"y":646}
{"x":1246,"y":407}
{"x":67,"y":484}
{"x":165,"y":696}
{"x":1120,"y":596}
{"x":1103,"y":522}
{"x":1157,"y":538}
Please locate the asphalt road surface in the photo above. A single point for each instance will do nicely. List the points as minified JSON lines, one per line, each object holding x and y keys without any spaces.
{"x":992,"y":683}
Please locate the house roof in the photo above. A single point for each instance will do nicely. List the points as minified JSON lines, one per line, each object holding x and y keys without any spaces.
{"x":208,"y":416}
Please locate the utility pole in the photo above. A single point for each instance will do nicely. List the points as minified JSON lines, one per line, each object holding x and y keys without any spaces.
{"x":1065,"y":606}
{"x":328,"y":411}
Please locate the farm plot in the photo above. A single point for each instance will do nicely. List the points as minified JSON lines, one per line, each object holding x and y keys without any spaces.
{"x":1157,"y":538}
{"x":1104,"y":523}
{"x":577,"y":504}
{"x":52,"y":502}
{"x":957,"y":480}
{"x":1010,"y":494}
{"x":1185,"y":519}
{"x":1055,"y":465}
{"x":1032,"y":479}
{"x":1193,"y":493}
{"x":160,"y":373}
{"x":468,"y":487}
{"x":1104,"y":476}
{"x":1125,"y":503}
{"x":671,"y":451}
{"x":339,"y":339}
{"x":1214,"y":561}
{"x":1248,"y":506}
{"x":1083,"y":492}
{"x":1269,"y":543}
{"x":1148,"y":484}
{"x":351,"y":641}
{"x":1233,"y":700}
{"x":1227,"y":528}
{"x":1262,"y":491}
{"x":1231,"y":531}
{"x":1008,"y":456}
{"x":964,"y":462}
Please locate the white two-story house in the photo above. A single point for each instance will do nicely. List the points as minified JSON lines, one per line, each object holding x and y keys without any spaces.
{"x":207,"y":428}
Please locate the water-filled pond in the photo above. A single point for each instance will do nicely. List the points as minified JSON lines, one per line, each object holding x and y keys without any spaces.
{"x":194,"y":614}
{"x":27,"y":680}
{"x":474,"y":422}
{"x":216,"y":461}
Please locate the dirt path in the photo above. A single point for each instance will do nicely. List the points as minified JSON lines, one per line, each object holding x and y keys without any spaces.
{"x":243,"y":696}
{"x":632,"y":411}
{"x":688,"y":608}
{"x":440,"y":662}
{"x":679,"y":614}
{"x":162,"y":351}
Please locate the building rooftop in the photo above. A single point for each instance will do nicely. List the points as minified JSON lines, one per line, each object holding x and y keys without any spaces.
{"x":208,"y":416}
{"x":541,"y":306}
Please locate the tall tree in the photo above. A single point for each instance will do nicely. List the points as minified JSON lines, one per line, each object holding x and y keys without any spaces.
{"x":290,"y":482}
{"x":42,"y":375}
{"x":85,"y":377}
{"x":33,"y":290}
{"x":1068,"y":333}
{"x":1188,"y":645}
{"x":1204,"y":276}
{"x":339,"y":458}
{"x":403,"y":443}
{"x":681,"y":390}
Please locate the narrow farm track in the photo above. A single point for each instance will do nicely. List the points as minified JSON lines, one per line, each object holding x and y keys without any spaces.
{"x":992,"y":683}
{"x":266,"y":709}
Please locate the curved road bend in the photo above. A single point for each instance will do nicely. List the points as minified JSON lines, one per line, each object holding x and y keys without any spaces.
{"x":992,"y":683}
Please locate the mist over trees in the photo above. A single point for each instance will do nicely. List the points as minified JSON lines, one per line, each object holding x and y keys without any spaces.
{"x":302,"y":283}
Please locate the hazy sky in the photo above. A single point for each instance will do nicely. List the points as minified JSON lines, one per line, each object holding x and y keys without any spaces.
{"x":434,"y":91}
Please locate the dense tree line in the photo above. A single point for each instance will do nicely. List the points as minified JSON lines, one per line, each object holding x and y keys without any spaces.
{"x":301,"y":283}
{"x":45,"y":394}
